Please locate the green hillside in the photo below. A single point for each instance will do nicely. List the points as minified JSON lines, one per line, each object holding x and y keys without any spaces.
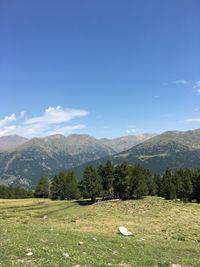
{"x":76,"y":234}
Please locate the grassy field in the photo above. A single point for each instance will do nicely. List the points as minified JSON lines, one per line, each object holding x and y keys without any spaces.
{"x":76,"y":234}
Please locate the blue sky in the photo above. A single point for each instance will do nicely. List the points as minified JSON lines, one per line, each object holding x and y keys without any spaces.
{"x":99,"y":67}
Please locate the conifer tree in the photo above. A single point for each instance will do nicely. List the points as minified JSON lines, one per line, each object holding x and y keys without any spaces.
{"x":138,"y":182}
{"x":121,"y":181}
{"x":71,"y":186}
{"x":91,"y":184}
{"x":55,"y":188}
{"x":169,"y":191}
{"x":107,"y":176}
{"x":42,"y":188}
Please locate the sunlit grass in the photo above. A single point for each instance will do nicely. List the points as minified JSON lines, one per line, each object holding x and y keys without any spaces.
{"x":164,"y":232}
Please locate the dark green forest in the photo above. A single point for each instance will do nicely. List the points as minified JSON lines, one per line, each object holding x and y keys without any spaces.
{"x":121,"y":182}
{"x":10,"y":192}
{"x":107,"y":182}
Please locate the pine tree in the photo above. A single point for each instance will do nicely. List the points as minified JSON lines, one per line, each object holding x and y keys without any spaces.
{"x":178,"y":182}
{"x":138,"y":182}
{"x":121,"y":181}
{"x":91,"y":184}
{"x":71,"y":187}
{"x":159,"y":184}
{"x":169,"y":191}
{"x":55,"y":188}
{"x":107,"y":176}
{"x":151,"y":184}
{"x":196,"y":191}
{"x":187,"y":185}
{"x":42,"y":188}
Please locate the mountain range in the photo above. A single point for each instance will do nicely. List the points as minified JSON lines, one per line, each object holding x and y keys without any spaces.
{"x":171,"y":149}
{"x":23,"y":161}
{"x":11,"y":142}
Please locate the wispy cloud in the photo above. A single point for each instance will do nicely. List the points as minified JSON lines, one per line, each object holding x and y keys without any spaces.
{"x":131,"y":131}
{"x":67,"y":129}
{"x":180,"y":82}
{"x":7,"y":120}
{"x":197,"y":85}
{"x":53,"y":120}
{"x":55,"y":115}
{"x":190,"y":120}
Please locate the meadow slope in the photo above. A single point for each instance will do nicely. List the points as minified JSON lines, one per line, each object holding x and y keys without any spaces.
{"x":76,"y":234}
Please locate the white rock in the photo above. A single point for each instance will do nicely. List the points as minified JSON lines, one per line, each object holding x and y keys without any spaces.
{"x":29,"y":253}
{"x":123,"y":230}
{"x":45,"y":217}
{"x":66,"y":255}
{"x":94,"y":238}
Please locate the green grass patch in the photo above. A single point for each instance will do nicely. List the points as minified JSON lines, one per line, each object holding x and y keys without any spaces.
{"x":165,"y":232}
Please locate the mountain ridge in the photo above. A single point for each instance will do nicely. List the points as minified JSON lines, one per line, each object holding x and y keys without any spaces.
{"x":26,"y":163}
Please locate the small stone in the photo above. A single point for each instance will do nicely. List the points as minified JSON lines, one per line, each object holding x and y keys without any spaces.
{"x":80,"y":243}
{"x":94,"y":238}
{"x":51,"y":229}
{"x":29,"y":253}
{"x":66,"y":255}
{"x":141,"y":239}
{"x":45,"y":217}
{"x":84,"y":253}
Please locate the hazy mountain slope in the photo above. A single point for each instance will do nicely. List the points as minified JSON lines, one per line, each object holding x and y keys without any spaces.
{"x":11,"y":142}
{"x":171,"y":149}
{"x":126,"y":142}
{"x":48,"y":156}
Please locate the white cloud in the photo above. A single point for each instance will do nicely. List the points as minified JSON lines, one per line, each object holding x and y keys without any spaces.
{"x":55,"y":115}
{"x":131,"y":131}
{"x":7,"y":120}
{"x":22,"y":114}
{"x":183,"y":82}
{"x":53,"y":121}
{"x":66,"y":130}
{"x":180,"y":82}
{"x":190,"y":120}
{"x":197,"y":85}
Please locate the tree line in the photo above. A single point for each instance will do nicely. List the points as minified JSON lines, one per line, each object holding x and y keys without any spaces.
{"x":10,"y":192}
{"x":122,"y":182}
